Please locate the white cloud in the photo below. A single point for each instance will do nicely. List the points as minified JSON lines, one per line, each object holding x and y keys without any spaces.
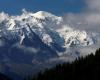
{"x":93,"y":5}
{"x":89,"y":19}
{"x":93,"y":11}
{"x":93,"y":18}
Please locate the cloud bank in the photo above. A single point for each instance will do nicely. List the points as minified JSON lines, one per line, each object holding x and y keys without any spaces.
{"x":89,"y":19}
{"x":93,"y":5}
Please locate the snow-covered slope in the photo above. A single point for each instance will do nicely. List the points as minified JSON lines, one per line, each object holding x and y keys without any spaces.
{"x":75,"y":37}
{"x":45,"y":25}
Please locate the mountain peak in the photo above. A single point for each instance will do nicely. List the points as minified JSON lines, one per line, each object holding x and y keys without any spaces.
{"x":42,"y":14}
{"x":39,"y":14}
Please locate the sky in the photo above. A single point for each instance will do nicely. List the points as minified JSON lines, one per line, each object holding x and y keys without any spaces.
{"x":53,"y":6}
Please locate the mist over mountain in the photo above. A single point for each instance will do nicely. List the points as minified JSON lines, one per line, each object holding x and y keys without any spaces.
{"x":31,"y":42}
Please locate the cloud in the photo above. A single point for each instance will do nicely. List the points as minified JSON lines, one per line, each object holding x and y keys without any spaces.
{"x":89,"y":19}
{"x":93,"y":18}
{"x":94,"y":5}
{"x":93,"y":12}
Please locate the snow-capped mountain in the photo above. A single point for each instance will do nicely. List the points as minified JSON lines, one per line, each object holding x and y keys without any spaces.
{"x":37,"y":40}
{"x":45,"y":25}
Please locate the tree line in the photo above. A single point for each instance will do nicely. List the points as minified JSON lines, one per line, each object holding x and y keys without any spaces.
{"x":83,"y":68}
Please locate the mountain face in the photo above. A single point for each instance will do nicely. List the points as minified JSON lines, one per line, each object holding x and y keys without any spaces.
{"x":32,"y":40}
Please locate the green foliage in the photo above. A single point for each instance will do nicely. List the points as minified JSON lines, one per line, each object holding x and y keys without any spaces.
{"x":84,"y":68}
